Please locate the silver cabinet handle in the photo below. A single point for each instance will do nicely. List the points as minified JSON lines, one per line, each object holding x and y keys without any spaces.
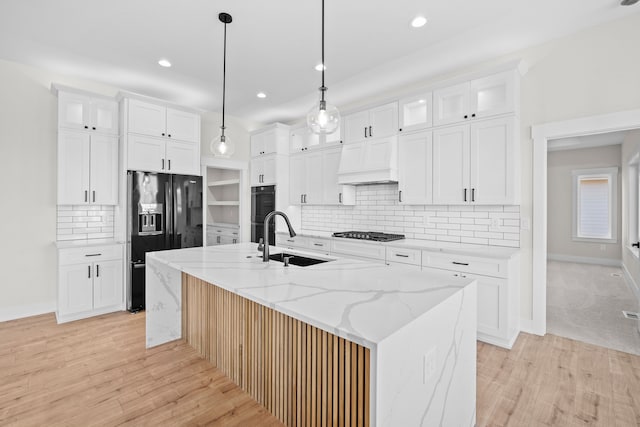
{"x":88,"y":272}
{"x":139,"y":265}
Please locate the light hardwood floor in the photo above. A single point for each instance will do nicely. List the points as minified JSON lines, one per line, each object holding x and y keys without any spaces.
{"x":97,"y":372}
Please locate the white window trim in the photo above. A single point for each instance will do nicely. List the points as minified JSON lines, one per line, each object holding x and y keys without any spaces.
{"x":612,"y":174}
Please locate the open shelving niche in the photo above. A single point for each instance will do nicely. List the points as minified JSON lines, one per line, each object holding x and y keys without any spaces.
{"x":224,"y":203}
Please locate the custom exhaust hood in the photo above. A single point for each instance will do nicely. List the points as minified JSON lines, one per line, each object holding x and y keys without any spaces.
{"x":369,"y":162}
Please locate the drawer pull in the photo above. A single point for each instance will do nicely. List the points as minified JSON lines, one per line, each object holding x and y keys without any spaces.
{"x":402,"y":255}
{"x":318,"y":244}
{"x":88,"y":272}
{"x":460,"y":263}
{"x":291,"y":241}
{"x":93,"y":254}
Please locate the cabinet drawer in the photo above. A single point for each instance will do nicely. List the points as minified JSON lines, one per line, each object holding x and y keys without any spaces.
{"x":404,"y":256}
{"x":359,"y":250}
{"x":284,"y":240}
{"x":68,"y":256}
{"x":466,"y":264}
{"x":320,"y":244}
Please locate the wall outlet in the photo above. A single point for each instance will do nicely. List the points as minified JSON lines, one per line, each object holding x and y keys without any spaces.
{"x":429,"y":365}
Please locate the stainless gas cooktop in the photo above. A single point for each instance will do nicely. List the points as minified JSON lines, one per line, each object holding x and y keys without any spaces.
{"x":369,"y":235}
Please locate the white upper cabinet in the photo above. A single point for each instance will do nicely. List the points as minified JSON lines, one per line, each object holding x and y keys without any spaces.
{"x":334,"y":193}
{"x":480,"y":98}
{"x":182,"y":158}
{"x":416,"y":112}
{"x":415,"y":154}
{"x":87,"y":169}
{"x":83,"y":112}
{"x":273,"y":139}
{"x":301,"y":139}
{"x":476,"y":163}
{"x":159,"y":155}
{"x":314,"y":179}
{"x":378,"y":122}
{"x":264,"y":170}
{"x":159,"y":121}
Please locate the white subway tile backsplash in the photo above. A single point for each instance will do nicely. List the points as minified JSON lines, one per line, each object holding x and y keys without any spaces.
{"x":80,"y":222}
{"x":377,"y":209}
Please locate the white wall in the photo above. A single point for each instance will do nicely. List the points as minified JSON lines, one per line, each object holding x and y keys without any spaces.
{"x":592,"y":72}
{"x":630,"y":147}
{"x":28,"y":114}
{"x":560,"y":165}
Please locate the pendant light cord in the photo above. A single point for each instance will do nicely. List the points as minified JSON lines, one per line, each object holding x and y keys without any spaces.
{"x":224,"y":74}
{"x":323,"y":88}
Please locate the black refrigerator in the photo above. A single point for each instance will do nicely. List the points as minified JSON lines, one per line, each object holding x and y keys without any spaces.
{"x":263,"y":201}
{"x":164,"y":212}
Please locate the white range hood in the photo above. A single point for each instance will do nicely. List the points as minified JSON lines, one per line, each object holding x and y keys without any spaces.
{"x":369,"y":162}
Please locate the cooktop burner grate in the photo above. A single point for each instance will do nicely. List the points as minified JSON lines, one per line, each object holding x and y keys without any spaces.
{"x":369,"y":235}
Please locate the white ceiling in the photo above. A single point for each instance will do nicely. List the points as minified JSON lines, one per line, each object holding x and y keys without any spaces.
{"x":587,"y":141}
{"x":274,"y":45}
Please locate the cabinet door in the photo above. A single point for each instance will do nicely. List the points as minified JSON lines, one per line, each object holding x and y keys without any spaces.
{"x":257,"y":170}
{"x":451,"y":104}
{"x":492,"y":161}
{"x":297,"y":179}
{"x":147,"y":119}
{"x":330,"y":188}
{"x":73,"y":168}
{"x":257,"y":144}
{"x":146,"y":154}
{"x":416,"y":112}
{"x":73,"y":111}
{"x":269,"y":171}
{"x":493,"y":95}
{"x":183,"y":125}
{"x":270,"y":142}
{"x":356,"y":126}
{"x":104,"y":169}
{"x":75,"y":289}
{"x":383,"y":120}
{"x":451,"y":165}
{"x":492,"y":305}
{"x":351,"y":157}
{"x":313,"y":178}
{"x":104,"y":116}
{"x":415,"y":157}
{"x":182,"y":158}
{"x":302,"y":139}
{"x":333,"y":138}
{"x":107,"y":283}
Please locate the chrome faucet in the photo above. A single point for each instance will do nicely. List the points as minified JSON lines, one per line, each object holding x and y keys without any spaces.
{"x":265,"y":251}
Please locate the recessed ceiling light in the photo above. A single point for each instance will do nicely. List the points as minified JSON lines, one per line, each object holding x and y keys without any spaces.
{"x":418,"y":21}
{"x":320,"y":67}
{"x":164,"y":63}
{"x":261,"y":95}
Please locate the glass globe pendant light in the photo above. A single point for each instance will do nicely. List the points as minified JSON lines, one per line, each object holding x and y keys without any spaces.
{"x":323,"y":118}
{"x":222,"y":146}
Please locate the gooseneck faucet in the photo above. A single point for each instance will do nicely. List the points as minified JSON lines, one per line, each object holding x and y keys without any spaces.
{"x":265,"y":251}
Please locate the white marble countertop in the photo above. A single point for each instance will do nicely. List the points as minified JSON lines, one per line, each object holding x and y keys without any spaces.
{"x":361,"y":301}
{"x":429,"y":245}
{"x":86,"y":243}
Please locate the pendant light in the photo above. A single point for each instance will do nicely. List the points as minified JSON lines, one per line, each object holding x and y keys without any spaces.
{"x":323,"y":118}
{"x":222,"y":145}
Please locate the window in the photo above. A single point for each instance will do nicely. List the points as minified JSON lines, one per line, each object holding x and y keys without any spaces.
{"x":594,"y":205}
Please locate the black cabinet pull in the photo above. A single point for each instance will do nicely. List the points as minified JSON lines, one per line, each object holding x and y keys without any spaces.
{"x":370,"y":134}
{"x":465,"y":194}
{"x":163,"y":134}
{"x":400,"y":196}
{"x":97,"y":270}
{"x":402,"y":255}
{"x":86,"y":127}
{"x":318,"y":244}
{"x":460,"y":263}
{"x":93,"y":196}
{"x":365,"y":131}
{"x":169,"y":135}
{"x":88,"y":272}
{"x":473,"y":194}
{"x":169,"y":161}
{"x":162,"y":164}
{"x":400,"y":130}
{"x":301,"y":198}
{"x":340,"y":141}
{"x":93,"y":254}
{"x":94,"y":128}
{"x":339,"y":197}
{"x":86,"y":196}
{"x":473,"y":115}
{"x":635,"y":245}
{"x":466,"y":117}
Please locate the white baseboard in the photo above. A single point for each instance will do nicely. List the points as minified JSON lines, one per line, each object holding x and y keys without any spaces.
{"x":527,"y":326}
{"x":630,"y":282}
{"x":18,"y":312}
{"x":585,"y":260}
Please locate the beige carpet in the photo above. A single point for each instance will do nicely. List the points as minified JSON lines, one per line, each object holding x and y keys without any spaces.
{"x":585,"y":303}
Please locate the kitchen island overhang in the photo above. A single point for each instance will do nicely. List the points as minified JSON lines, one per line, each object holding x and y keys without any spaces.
{"x":418,"y":329}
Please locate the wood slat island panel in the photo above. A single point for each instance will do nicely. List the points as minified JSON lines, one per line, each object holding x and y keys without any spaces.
{"x":301,"y":374}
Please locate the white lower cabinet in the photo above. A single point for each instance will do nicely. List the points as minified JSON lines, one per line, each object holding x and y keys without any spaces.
{"x":90,"y":281}
{"x":498,"y":291}
{"x":225,"y":234}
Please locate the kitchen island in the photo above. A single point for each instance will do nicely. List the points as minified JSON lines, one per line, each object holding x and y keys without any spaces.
{"x":342,"y":341}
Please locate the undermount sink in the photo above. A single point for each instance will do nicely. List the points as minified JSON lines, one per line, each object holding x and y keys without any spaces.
{"x":299,"y":260}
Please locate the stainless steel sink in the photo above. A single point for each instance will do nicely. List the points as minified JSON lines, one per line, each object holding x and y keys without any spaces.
{"x":295,"y":259}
